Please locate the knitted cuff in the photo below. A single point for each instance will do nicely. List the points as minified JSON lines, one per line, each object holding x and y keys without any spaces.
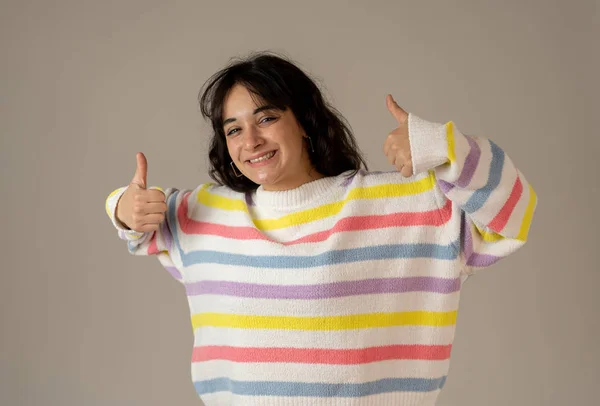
{"x":428,"y":144}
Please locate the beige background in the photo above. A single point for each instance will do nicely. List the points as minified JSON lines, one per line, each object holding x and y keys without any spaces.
{"x":85,"y":85}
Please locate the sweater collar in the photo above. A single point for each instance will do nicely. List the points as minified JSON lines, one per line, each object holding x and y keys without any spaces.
{"x":293,"y":199}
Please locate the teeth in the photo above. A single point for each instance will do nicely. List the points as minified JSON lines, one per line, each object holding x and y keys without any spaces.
{"x":262,"y":158}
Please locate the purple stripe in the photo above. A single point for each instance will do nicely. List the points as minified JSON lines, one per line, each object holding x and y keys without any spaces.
{"x":323,"y":291}
{"x":174,"y":272}
{"x":445,"y":186}
{"x":470,"y":164}
{"x":474,"y":258}
{"x":482,"y":260}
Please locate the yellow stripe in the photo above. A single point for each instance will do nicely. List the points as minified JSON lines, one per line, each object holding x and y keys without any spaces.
{"x":358,"y":321}
{"x":525,"y":225}
{"x":450,"y":137}
{"x":305,"y":216}
{"x":220,"y":202}
{"x":489,"y":236}
{"x":114,"y":192}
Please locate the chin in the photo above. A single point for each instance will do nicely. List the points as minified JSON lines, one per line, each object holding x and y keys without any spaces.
{"x":269,"y":177}
{"x":270,"y":182}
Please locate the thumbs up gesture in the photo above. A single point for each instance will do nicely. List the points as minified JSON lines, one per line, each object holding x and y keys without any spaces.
{"x":397,"y":144}
{"x":141,"y":209}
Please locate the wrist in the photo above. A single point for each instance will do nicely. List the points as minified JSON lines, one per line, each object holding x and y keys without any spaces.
{"x":118,"y":220}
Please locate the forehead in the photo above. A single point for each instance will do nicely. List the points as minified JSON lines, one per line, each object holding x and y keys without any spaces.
{"x":239,"y":101}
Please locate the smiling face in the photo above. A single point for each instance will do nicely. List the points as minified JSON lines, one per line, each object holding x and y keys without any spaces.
{"x":266,"y":144}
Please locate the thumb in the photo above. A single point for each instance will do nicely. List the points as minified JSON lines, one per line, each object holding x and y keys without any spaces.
{"x":399,"y":114}
{"x":141,"y":171}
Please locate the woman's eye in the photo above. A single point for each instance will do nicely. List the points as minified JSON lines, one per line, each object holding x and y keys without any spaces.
{"x":232,"y":131}
{"x":266,"y":119}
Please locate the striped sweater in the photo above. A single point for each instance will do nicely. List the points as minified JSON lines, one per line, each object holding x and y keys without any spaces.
{"x":345,"y":290}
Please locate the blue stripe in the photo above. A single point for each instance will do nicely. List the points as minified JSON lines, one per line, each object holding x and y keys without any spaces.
{"x":320,"y":390}
{"x":480,"y":196}
{"x":131,"y":245}
{"x":371,"y":253}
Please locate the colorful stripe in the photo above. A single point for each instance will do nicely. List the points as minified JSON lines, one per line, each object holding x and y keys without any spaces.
{"x":322,"y":355}
{"x":153,"y":247}
{"x":473,"y":258}
{"x":526,"y":224}
{"x":321,"y":390}
{"x":347,"y":322}
{"x":488,"y":236}
{"x":470,"y":164}
{"x":434,"y":217}
{"x":498,"y":223}
{"x":328,"y":258}
{"x":320,"y":212}
{"x":326,"y":290}
{"x":444,"y":186}
{"x":216,"y":201}
{"x":174,"y":272}
{"x":451,"y":142}
{"x":108,"y":199}
{"x":480,"y":196}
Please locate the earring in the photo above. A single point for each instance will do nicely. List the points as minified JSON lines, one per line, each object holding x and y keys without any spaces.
{"x":312,"y":148}
{"x":238,"y":175}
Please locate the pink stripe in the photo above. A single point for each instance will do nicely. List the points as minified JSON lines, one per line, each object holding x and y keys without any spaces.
{"x":498,"y":223}
{"x":153,"y":247}
{"x":356,"y":223}
{"x":322,"y":356}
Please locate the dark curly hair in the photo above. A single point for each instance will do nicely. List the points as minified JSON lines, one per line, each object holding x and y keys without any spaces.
{"x":277,"y":81}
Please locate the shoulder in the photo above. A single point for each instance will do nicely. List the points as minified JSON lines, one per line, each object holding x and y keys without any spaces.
{"x":203,"y":193}
{"x":205,"y":202}
{"x":364,"y":178}
{"x":219,"y":197}
{"x":392,"y":187}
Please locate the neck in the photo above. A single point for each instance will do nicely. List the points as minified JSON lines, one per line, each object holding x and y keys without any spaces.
{"x":309,"y":176}
{"x":294,"y":198}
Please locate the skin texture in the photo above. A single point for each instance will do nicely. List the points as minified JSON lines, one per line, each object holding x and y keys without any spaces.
{"x":250,"y":133}
{"x":397,"y":144}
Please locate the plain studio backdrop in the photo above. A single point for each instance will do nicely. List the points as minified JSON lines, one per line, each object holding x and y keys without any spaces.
{"x":85,"y":85}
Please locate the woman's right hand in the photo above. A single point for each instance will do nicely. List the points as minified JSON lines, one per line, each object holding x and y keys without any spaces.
{"x":141,"y":209}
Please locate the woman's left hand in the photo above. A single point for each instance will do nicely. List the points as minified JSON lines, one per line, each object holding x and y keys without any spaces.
{"x":397,"y":143}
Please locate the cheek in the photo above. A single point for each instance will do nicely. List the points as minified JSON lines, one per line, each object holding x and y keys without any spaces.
{"x":291,"y":144}
{"x":232,"y":149}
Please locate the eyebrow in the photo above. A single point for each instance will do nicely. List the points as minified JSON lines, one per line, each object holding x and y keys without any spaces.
{"x":258,"y":110}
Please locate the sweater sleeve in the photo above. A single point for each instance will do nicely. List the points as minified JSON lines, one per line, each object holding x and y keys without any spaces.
{"x":158,"y":243}
{"x":492,"y":198}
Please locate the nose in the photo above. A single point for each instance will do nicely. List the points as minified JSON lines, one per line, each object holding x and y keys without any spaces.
{"x":252,"y":138}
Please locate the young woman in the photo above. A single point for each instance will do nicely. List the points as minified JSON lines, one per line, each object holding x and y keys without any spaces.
{"x":310,"y":280}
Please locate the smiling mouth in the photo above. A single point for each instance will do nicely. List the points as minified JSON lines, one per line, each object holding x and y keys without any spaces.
{"x":262,"y":158}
